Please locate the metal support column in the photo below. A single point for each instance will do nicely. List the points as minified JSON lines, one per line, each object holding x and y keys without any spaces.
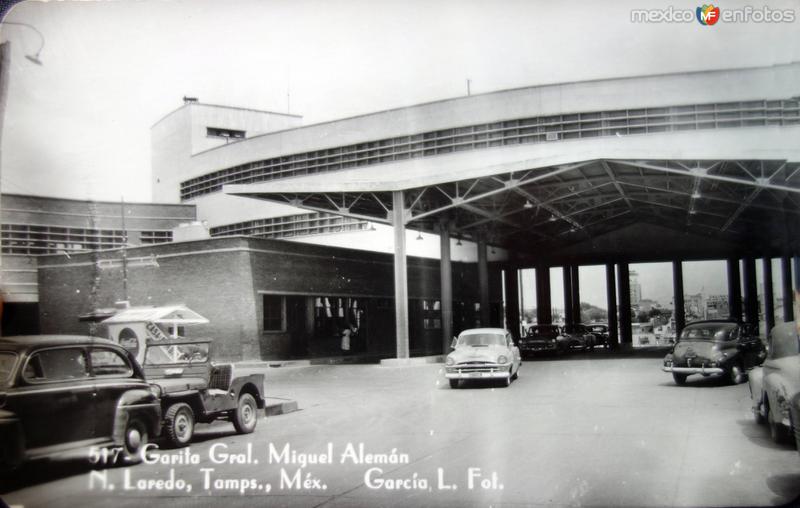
{"x":677,"y":289}
{"x":734,"y":290}
{"x":788,"y":294}
{"x":576,"y":293}
{"x":511,"y":299}
{"x":750,"y":299}
{"x":544,"y":311}
{"x":769,"y":296}
{"x":483,"y":280}
{"x":446,"y":280}
{"x":611,"y":299}
{"x":624,"y":283}
{"x":569,"y":318}
{"x":400,"y":274}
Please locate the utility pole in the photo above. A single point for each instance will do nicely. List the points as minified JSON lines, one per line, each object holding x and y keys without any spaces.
{"x":124,"y":253}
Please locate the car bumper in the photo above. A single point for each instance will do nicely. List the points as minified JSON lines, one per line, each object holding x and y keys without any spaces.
{"x":693,"y":370}
{"x":498,"y":372}
{"x":532,"y":348}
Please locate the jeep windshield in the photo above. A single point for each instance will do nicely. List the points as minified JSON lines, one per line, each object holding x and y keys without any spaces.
{"x":171,"y":354}
{"x":7,"y":361}
{"x":544,"y":331}
{"x":482,"y":339}
{"x":707,"y":332}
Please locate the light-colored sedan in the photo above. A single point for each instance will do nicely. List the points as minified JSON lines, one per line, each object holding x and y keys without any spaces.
{"x":483,"y":354}
{"x":773,"y":386}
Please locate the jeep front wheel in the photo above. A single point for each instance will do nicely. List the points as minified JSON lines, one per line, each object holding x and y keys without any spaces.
{"x":245,"y":416}
{"x":179,"y":424}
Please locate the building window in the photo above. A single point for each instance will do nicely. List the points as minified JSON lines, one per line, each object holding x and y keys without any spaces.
{"x":216,"y":132}
{"x":432,"y":315}
{"x":273,"y":313}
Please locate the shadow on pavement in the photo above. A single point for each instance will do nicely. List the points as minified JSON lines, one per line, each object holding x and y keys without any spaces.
{"x":42,"y":471}
{"x":786,"y":488}
{"x":759,"y":435}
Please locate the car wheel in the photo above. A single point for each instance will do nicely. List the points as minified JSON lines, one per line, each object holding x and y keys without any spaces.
{"x":736,"y":374}
{"x":179,"y":424}
{"x":759,"y":415}
{"x":516,"y":375}
{"x":454,"y":383}
{"x":779,"y":433}
{"x":245,"y":416}
{"x":680,"y":379}
{"x":133,"y":440}
{"x":507,"y":379}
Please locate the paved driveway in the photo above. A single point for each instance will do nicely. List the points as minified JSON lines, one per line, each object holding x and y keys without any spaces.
{"x":576,"y":432}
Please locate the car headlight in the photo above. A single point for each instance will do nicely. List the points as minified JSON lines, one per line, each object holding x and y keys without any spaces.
{"x":449,"y":361}
{"x":502,"y":359}
{"x":155,"y":390}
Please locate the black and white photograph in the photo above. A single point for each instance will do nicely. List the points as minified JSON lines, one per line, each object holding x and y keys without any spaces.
{"x":399,"y":253}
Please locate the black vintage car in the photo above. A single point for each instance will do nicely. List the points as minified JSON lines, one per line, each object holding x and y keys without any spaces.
{"x":715,"y":347}
{"x":576,"y":337}
{"x":602,"y":336}
{"x":540,"y":339}
{"x":62,"y":394}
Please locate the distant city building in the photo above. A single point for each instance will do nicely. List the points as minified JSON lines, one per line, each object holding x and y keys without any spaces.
{"x":636,"y":289}
{"x":716,"y":307}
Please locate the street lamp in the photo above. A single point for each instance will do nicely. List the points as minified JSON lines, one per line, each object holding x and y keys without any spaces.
{"x":35,"y":57}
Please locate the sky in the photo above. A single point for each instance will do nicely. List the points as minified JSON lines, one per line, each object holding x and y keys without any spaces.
{"x":78,"y":125}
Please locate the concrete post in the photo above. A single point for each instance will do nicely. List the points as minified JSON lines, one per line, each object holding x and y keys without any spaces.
{"x":677,"y":288}
{"x":544,"y":312}
{"x":624,"y":283}
{"x":400,"y":274}
{"x":446,"y":281}
{"x":769,"y":296}
{"x":576,"y":293}
{"x":734,"y":290}
{"x":483,"y":280}
{"x":788,"y":294}
{"x":750,"y":291}
{"x":611,"y":299}
{"x":512,"y":300}
{"x":569,"y":318}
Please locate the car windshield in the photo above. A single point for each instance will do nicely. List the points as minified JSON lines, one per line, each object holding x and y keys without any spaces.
{"x":707,"y":331}
{"x":600,"y":329}
{"x":7,"y":361}
{"x":170,"y":354}
{"x":544,"y":330}
{"x":482,"y":339}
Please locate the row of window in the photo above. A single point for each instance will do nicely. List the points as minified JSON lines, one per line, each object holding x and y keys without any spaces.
{"x":332,"y":313}
{"x":291,"y":225}
{"x":32,"y":240}
{"x":511,"y":132}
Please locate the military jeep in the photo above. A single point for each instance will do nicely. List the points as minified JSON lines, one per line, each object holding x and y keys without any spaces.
{"x":194,"y":390}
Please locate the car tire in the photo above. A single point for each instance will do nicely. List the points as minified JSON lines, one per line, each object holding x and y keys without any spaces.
{"x":680,"y":379}
{"x":507,"y":380}
{"x":245,"y":416}
{"x":736,"y":375}
{"x":516,"y":375}
{"x":179,"y":424}
{"x":454,"y":383}
{"x":759,"y":415}
{"x":778,"y":433}
{"x":134,"y":439}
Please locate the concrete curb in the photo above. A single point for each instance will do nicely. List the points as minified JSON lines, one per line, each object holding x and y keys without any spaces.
{"x":274,"y":406}
{"x":406,"y":362}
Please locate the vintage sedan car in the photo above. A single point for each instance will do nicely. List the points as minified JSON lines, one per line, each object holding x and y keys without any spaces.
{"x":195,"y":390}
{"x":602,"y":335}
{"x":576,"y":336}
{"x":483,"y":354}
{"x":540,"y":339}
{"x":62,"y":394}
{"x":715,"y":347}
{"x":776,"y":385}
